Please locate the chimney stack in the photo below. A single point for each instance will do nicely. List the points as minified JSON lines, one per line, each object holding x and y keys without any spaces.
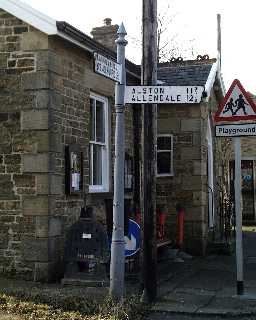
{"x":107,"y":34}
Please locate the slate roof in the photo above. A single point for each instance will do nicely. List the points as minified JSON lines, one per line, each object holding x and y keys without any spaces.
{"x":192,"y":73}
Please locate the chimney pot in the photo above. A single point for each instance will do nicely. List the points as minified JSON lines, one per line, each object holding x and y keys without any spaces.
{"x":107,"y":22}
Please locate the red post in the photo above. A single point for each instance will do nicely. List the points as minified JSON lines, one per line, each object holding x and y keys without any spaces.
{"x":161,"y":218}
{"x":180,"y":226}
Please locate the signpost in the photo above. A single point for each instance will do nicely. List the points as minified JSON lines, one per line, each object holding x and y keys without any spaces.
{"x":146,"y":94}
{"x":116,"y":289}
{"x":163,"y":94}
{"x":107,"y":67}
{"x":240,"y":112}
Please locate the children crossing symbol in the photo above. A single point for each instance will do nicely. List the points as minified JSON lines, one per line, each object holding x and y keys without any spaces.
{"x":236,"y":106}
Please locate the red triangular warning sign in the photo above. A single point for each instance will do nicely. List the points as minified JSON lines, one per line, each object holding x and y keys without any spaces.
{"x":236,"y":105}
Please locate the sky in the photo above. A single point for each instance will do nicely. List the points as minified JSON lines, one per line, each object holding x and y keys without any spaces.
{"x":192,"y":28}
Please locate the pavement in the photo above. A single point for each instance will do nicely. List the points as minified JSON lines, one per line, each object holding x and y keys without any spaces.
{"x":207,"y":285}
{"x":204,"y":286}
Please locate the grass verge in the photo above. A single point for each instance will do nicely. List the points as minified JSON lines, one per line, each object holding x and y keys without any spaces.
{"x":70,"y":308}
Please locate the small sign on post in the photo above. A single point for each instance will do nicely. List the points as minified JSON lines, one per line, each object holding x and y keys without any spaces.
{"x":235,"y":130}
{"x":236,"y":117}
{"x":107,"y":67}
{"x":132,"y":240}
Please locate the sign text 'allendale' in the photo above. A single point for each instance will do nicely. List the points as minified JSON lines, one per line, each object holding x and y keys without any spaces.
{"x":163,"y":94}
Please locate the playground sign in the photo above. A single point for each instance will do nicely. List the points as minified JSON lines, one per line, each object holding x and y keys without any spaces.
{"x":235,"y":130}
{"x":236,"y":117}
{"x":237,"y":106}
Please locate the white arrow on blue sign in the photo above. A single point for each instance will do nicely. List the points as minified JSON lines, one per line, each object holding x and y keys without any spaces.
{"x":132,"y":240}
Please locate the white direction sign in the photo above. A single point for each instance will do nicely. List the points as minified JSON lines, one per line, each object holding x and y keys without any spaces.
{"x":163,"y":94}
{"x":235,"y":130}
{"x":107,"y":67}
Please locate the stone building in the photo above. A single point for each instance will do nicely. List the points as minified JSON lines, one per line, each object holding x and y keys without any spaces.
{"x":190,"y":176}
{"x":50,"y":97}
{"x":56,"y":110}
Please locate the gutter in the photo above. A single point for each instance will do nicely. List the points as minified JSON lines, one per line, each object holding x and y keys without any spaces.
{"x":63,"y":30}
{"x":214,"y":74}
{"x":70,"y":33}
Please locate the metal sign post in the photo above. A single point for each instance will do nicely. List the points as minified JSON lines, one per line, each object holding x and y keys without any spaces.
{"x":117,"y":245}
{"x":238,"y":212}
{"x":236,"y":117}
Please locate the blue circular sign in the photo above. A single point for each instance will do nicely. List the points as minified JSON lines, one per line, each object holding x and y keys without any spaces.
{"x":132,"y":240}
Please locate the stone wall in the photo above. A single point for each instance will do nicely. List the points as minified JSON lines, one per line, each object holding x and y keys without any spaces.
{"x":188,"y":185}
{"x":45,"y":86}
{"x":16,"y":141}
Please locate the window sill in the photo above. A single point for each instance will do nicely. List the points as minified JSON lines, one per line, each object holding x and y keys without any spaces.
{"x":99,"y":189}
{"x":165,"y":175}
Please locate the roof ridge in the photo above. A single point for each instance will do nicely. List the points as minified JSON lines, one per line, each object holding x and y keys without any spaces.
{"x":185,"y":63}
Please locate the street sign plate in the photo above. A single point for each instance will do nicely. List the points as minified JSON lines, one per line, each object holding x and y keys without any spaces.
{"x":236,"y":106}
{"x":235,"y":130}
{"x":107,"y":67}
{"x":132,"y":240}
{"x":163,"y":94}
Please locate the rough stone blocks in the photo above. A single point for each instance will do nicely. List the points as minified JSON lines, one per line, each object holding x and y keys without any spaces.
{"x":35,"y":163}
{"x":34,"y":120}
{"x":36,"y":206}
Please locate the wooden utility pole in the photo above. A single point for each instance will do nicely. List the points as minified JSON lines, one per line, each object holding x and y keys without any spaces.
{"x":149,"y":143}
{"x":219,"y":37}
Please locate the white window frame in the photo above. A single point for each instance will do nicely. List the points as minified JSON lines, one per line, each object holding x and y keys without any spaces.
{"x":104,"y":187}
{"x":171,"y":174}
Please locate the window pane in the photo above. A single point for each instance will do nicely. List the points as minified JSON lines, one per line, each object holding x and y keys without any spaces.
{"x":164,"y":143}
{"x":100,"y":125}
{"x":164,"y":163}
{"x":92,"y":120}
{"x":97,"y":164}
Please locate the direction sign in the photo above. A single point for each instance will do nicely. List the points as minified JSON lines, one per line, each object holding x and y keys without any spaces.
{"x":163,"y":94}
{"x":107,"y":67}
{"x":132,"y":240}
{"x":236,"y":105}
{"x":235,"y":130}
